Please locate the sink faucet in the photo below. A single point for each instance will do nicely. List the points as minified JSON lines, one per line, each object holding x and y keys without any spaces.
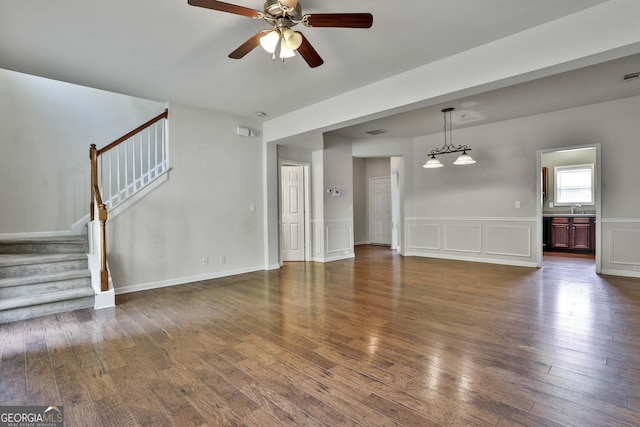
{"x":574,"y":206}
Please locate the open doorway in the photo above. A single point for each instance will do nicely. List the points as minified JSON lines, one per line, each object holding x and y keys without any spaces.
{"x":376,"y":201}
{"x":295,"y":215}
{"x":570,"y":205}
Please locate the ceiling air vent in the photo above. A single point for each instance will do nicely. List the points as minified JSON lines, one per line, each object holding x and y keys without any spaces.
{"x":632,"y":76}
{"x":376,"y":131}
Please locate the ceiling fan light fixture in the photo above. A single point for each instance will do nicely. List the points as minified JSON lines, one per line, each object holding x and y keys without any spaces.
{"x":289,"y":3}
{"x":281,"y":15}
{"x":292,"y":39}
{"x":286,"y":52}
{"x":269,"y":41}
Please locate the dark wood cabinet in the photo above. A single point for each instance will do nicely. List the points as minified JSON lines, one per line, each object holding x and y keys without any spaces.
{"x":581,"y":234}
{"x":570,"y":233}
{"x":560,"y":238}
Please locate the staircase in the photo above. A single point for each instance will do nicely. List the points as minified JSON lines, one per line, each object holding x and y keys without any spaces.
{"x":43,"y":276}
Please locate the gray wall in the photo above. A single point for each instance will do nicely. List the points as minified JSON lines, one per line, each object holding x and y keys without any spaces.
{"x":204,"y":210}
{"x":46,"y":128}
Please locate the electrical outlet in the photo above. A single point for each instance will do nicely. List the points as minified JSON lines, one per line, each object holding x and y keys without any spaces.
{"x":205,"y":260}
{"x":223,"y":259}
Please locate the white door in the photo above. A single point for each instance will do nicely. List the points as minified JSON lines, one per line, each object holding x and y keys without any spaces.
{"x":380,"y":210}
{"x":292,"y":213}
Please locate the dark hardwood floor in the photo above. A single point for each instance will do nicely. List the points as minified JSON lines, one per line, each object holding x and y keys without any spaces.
{"x":377,"y":340}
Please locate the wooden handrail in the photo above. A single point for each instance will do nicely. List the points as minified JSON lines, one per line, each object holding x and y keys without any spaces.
{"x":96,"y":197}
{"x":133,"y":132}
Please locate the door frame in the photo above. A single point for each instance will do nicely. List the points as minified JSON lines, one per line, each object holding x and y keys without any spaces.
{"x":598,"y":199}
{"x":395,"y":211}
{"x":306,"y":168}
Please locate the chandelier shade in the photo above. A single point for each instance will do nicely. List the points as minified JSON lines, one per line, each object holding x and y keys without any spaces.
{"x":432,"y":163}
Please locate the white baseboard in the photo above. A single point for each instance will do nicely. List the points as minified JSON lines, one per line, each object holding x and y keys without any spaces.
{"x":623,"y":273}
{"x":481,"y":260}
{"x":183,"y":280}
{"x":335,"y":258}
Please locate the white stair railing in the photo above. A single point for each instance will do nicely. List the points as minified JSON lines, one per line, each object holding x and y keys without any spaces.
{"x":118,"y":171}
{"x":133,"y":163}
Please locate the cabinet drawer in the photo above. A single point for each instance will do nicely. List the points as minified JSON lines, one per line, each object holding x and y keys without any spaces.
{"x":581,"y":220}
{"x":560,"y":220}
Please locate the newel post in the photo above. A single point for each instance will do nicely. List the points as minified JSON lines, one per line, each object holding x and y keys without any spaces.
{"x":104,"y":274}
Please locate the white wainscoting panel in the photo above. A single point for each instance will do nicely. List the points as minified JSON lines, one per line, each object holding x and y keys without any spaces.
{"x":509,"y":240}
{"x":625,"y":246}
{"x":463,"y":238}
{"x":621,"y":246}
{"x":424,"y":236}
{"x":332,"y":239}
{"x":318,"y":240}
{"x":338,"y":238}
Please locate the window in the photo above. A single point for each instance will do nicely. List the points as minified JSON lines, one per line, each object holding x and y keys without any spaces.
{"x":574,"y":184}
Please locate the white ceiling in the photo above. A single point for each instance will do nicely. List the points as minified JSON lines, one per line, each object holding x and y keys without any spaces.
{"x":588,"y":85}
{"x":167,"y":50}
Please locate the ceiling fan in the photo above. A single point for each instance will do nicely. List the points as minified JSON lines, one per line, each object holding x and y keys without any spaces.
{"x":280,"y":40}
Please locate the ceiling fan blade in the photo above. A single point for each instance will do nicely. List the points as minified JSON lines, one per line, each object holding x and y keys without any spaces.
{"x":343,"y":20}
{"x":226,"y":7}
{"x":247,"y":46}
{"x":309,"y":54}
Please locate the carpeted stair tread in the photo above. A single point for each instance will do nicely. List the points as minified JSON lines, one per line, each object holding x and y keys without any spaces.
{"x":45,"y":298}
{"x":7,"y":260}
{"x":60,"y":244}
{"x":43,"y":278}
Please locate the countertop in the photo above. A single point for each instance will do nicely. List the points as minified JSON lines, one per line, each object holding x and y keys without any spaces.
{"x":578,"y":215}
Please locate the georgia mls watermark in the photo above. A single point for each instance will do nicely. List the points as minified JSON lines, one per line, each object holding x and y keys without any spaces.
{"x":31,"y":416}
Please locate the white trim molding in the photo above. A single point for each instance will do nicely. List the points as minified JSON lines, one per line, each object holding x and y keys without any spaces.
{"x":508,"y":241}
{"x":621,"y":246}
{"x":332,"y":239}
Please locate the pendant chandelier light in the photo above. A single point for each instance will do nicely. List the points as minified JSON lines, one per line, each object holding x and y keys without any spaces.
{"x":448,"y":147}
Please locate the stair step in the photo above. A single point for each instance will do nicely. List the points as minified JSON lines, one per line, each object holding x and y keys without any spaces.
{"x":12,"y":287}
{"x":45,"y":245}
{"x":38,"y":264}
{"x":42,"y":276}
{"x":27,"y":307}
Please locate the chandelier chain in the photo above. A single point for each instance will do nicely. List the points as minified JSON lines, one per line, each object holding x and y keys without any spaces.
{"x":448,"y":146}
